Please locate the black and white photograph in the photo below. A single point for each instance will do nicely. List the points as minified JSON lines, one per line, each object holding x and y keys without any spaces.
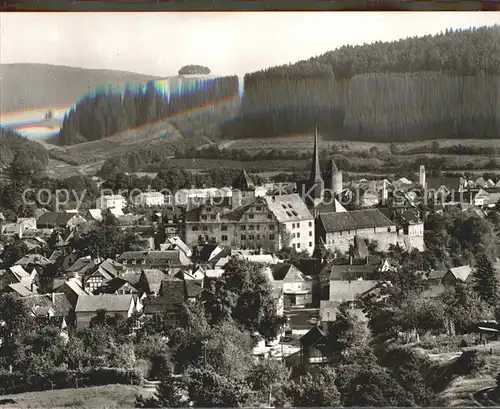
{"x":262,"y":209}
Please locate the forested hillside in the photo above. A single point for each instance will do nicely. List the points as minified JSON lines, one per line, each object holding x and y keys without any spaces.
{"x":107,"y":112}
{"x":18,"y":154}
{"x":442,"y":86}
{"x":27,"y":86}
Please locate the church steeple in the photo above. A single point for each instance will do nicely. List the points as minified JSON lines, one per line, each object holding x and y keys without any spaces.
{"x":315,"y":169}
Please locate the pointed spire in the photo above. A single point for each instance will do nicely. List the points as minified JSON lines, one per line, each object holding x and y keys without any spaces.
{"x":315,"y":169}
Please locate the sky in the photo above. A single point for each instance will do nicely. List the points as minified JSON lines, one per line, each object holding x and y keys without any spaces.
{"x":228,"y":43}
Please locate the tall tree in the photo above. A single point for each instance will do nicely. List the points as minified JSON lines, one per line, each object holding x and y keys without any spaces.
{"x":486,"y":281}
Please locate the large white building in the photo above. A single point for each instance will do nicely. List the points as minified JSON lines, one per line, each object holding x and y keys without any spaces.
{"x":149,"y":199}
{"x":111,"y":201}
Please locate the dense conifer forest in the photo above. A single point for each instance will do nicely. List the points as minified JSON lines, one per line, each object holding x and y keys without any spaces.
{"x":442,"y":86}
{"x":436,"y":86}
{"x":106,"y":112}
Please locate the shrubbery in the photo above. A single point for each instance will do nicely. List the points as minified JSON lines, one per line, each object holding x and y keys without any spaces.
{"x":59,"y":379}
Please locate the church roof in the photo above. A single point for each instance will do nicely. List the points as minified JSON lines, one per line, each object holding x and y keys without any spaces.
{"x":333,"y":167}
{"x":243,"y":182}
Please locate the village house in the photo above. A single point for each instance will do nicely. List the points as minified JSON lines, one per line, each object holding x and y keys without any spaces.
{"x":111,"y":201}
{"x":19,"y":227}
{"x":96,"y":214}
{"x":17,"y":274}
{"x":173,"y":222}
{"x":456,"y":274}
{"x":115,"y":305}
{"x":297,"y":288}
{"x":72,"y":289}
{"x":59,"y":220}
{"x":153,"y":259}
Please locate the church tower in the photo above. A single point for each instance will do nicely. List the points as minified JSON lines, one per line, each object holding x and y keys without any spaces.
{"x":315,"y":185}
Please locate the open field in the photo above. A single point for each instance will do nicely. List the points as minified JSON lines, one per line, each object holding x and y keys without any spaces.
{"x":305,"y":142}
{"x":110,"y":396}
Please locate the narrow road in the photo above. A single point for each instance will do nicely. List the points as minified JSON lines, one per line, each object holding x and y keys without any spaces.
{"x":482,"y":398}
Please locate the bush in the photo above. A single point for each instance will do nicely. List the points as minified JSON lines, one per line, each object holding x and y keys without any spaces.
{"x":60,"y":379}
{"x":470,"y":363}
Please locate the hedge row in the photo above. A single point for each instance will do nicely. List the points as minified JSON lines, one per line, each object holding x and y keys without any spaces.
{"x":18,"y":383}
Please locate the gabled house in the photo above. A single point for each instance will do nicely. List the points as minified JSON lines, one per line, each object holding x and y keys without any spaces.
{"x":33,"y":261}
{"x":20,"y":289}
{"x":73,"y":290}
{"x":150,"y":281}
{"x":175,"y":243}
{"x":50,"y":306}
{"x":457,"y":274}
{"x":119,"y":286}
{"x":88,"y":305}
{"x":205,"y":253}
{"x":59,"y":220}
{"x":297,"y":287}
{"x":17,"y":274}
{"x":171,"y":297}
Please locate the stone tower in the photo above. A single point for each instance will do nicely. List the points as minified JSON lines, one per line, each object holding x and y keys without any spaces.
{"x":421,"y":178}
{"x":335,"y":179}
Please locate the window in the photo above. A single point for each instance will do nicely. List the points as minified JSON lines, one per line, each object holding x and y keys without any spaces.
{"x":205,"y":228}
{"x":251,"y":237}
{"x":298,"y":235}
{"x":293,"y":225}
{"x":203,"y":217}
{"x":258,"y":236}
{"x":310,"y":244}
{"x":293,"y":235}
{"x":195,"y":228}
{"x":224,"y":237}
{"x":257,"y":227}
{"x":298,"y":225}
{"x":250,"y":227}
{"x":250,"y":216}
{"x":243,"y":237}
{"x":258,"y":208}
{"x":294,"y":245}
{"x":310,"y":233}
{"x":271,"y":227}
{"x":310,"y":224}
{"x":298,"y":245}
{"x":271,"y":237}
{"x":223,"y":228}
{"x":212,"y":217}
{"x":388,"y":230}
{"x":243,"y":228}
{"x":269,"y":216}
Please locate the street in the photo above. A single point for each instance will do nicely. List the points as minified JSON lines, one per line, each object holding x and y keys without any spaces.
{"x":299,"y":317}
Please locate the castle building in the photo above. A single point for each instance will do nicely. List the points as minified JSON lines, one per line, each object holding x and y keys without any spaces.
{"x":251,"y":222}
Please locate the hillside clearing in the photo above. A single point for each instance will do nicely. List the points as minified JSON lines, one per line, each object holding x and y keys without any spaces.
{"x":109,"y":397}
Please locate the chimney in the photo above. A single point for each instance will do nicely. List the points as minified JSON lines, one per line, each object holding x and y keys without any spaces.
{"x":53,"y":296}
{"x":350,"y":260}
